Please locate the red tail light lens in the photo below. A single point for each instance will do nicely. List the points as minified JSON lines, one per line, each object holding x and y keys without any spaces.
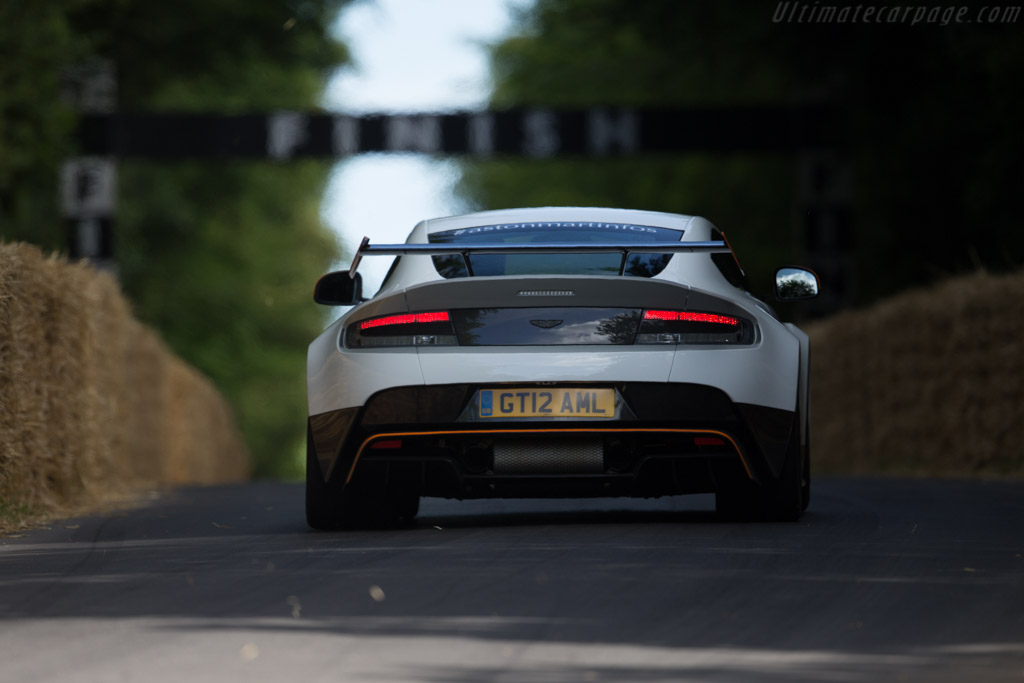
{"x":405,"y":319}
{"x":661,"y":315}
{"x":659,"y":326}
{"x":430,"y":328}
{"x":691,"y":317}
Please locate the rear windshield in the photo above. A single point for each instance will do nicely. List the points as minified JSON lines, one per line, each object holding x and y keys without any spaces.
{"x":637,"y":265}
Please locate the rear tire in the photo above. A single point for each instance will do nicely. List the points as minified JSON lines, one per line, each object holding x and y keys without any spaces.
{"x":323,"y":511}
{"x":782,"y":500}
{"x":779,"y":500}
{"x":805,"y":483}
{"x":376,"y":497}
{"x":379,"y":497}
{"x":737,"y":502}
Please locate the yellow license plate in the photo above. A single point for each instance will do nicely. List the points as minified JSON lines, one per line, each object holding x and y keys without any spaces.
{"x":585,"y":402}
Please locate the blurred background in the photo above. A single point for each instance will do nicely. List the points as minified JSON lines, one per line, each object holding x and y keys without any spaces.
{"x":220,"y":255}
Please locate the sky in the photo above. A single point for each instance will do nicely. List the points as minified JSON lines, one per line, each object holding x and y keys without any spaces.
{"x":409,"y":56}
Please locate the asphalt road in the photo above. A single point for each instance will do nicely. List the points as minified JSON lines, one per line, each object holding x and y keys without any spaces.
{"x":882,"y":580}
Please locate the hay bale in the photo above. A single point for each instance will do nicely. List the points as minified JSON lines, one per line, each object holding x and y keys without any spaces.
{"x":205,"y":440}
{"x":145,"y":390}
{"x":92,"y":404}
{"x":34,"y":455}
{"x":929,"y":382}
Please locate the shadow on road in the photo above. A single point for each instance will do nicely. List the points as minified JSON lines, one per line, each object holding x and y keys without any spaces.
{"x":879,"y":577}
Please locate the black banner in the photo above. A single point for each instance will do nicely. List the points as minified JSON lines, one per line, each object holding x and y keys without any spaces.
{"x":529,"y":133}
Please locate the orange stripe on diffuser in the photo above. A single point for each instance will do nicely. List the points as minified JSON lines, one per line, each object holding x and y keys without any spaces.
{"x":517,"y":432}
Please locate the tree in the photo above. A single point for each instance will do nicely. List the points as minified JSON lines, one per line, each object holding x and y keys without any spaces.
{"x":219,"y":256}
{"x":929,"y":114}
{"x":36,"y":41}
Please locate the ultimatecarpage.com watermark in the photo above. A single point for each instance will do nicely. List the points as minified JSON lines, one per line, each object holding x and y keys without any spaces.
{"x":817,"y":13}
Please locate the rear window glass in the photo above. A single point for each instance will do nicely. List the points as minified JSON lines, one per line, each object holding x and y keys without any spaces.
{"x":637,"y":265}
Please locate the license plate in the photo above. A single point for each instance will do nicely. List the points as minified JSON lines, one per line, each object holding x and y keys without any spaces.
{"x":551,"y":402}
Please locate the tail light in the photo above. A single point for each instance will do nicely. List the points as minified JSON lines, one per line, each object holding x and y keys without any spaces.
{"x":656,"y":326}
{"x":429,"y":328}
{"x":693,"y":327}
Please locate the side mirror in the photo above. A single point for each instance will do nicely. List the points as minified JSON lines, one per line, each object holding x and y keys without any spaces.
{"x":793,"y":284}
{"x":339,"y":289}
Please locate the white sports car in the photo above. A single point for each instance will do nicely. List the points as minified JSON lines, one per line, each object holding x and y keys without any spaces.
{"x":557,"y":352}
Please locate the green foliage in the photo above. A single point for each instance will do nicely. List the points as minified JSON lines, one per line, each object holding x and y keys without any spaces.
{"x":931,"y":117}
{"x":658,"y":52}
{"x":14,"y":515}
{"x":215,"y":55}
{"x":220,"y":257}
{"x":36,"y":41}
{"x":576,"y":53}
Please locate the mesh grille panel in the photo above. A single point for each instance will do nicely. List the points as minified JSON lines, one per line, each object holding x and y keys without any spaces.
{"x":529,"y":456}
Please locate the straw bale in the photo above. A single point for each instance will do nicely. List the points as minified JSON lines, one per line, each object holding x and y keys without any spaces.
{"x":20,"y":422}
{"x":32,"y":466}
{"x":92,"y":404}
{"x":929,"y":382}
{"x":204,"y":437}
{"x":144,"y":367}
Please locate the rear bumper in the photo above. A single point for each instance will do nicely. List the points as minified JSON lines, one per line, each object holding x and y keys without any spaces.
{"x":678,"y":438}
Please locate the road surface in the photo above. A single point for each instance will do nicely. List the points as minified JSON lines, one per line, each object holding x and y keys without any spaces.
{"x":881,"y":580}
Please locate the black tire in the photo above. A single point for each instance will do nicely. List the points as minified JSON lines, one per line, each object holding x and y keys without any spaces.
{"x":782,"y":500}
{"x":373,"y":500}
{"x":380,"y":497}
{"x":409,"y":506}
{"x":805,"y":480}
{"x":737,"y":502}
{"x":323,"y":510}
{"x":779,"y":500}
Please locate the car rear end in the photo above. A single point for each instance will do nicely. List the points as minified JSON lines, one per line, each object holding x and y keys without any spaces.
{"x":522,"y":385}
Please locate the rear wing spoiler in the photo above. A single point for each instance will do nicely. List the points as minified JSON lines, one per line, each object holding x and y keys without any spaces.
{"x":466,"y":249}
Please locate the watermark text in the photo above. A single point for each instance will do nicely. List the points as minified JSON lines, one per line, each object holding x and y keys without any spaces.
{"x":794,"y":12}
